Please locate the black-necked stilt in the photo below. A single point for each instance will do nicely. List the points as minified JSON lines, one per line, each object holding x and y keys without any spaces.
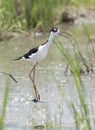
{"x":37,"y":54}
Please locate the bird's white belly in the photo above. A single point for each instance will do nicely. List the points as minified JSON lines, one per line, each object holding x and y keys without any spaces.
{"x":40,"y":55}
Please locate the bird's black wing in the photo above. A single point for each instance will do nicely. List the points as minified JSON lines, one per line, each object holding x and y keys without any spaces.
{"x":26,"y":56}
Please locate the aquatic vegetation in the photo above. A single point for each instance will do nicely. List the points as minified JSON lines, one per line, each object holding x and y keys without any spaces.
{"x":19,"y":15}
{"x":82,"y":114}
{"x":4,"y":107}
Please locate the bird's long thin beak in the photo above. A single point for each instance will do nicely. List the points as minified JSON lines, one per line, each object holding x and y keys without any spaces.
{"x":63,"y":34}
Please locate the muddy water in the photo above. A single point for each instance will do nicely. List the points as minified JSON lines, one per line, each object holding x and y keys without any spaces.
{"x":57,"y":89}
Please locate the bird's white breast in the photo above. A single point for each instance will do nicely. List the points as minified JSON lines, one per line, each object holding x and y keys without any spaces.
{"x":40,"y":54}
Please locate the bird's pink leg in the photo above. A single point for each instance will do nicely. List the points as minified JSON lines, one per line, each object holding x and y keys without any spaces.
{"x":33,"y":81}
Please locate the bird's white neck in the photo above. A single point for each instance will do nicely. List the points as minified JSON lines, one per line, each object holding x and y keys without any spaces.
{"x":51,"y":37}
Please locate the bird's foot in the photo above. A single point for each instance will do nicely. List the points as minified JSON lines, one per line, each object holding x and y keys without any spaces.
{"x":37,"y":99}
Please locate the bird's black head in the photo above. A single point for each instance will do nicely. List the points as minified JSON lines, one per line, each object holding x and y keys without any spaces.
{"x":55,"y":29}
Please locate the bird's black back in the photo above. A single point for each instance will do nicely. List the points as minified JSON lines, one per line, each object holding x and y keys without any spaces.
{"x":26,"y":56}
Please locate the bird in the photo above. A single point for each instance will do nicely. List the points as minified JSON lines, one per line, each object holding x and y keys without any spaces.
{"x":37,"y":54}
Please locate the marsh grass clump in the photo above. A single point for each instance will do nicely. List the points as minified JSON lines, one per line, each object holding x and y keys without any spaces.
{"x":83,"y":53}
{"x":22,"y":15}
{"x":81,"y":111}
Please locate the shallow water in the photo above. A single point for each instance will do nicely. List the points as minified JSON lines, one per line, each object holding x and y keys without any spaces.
{"x":56,"y":88}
